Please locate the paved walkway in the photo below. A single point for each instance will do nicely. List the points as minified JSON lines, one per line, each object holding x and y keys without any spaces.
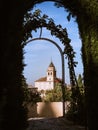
{"x":52,"y":124}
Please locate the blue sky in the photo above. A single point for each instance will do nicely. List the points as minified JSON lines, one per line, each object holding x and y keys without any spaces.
{"x":38,"y":54}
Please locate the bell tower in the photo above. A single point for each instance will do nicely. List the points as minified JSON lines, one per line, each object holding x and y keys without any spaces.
{"x":51,"y":72}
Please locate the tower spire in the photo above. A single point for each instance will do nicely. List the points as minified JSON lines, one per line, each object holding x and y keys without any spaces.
{"x":51,"y":58}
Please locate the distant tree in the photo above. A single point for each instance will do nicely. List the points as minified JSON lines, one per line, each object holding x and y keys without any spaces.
{"x":55,"y":95}
{"x":68,"y":94}
{"x":33,"y":97}
{"x":30,"y":96}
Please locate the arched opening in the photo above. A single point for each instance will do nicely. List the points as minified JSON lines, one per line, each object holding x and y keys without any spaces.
{"x":86,"y":12}
{"x":54,"y":34}
{"x":72,"y":29}
{"x":62,"y":68}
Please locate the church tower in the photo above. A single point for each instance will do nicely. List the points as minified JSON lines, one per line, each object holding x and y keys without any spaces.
{"x":51,"y":72}
{"x":48,"y":82}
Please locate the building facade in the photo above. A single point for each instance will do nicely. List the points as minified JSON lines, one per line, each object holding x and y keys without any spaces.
{"x":48,"y":82}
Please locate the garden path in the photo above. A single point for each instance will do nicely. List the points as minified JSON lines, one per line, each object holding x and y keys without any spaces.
{"x":59,"y":123}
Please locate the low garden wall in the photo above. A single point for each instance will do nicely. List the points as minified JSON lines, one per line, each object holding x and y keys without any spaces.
{"x":47,"y":109}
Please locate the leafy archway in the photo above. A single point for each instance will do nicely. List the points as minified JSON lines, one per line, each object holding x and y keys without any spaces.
{"x":86,"y":13}
{"x":35,"y":21}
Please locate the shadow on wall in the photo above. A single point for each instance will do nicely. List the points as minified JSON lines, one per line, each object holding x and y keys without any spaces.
{"x":46,"y":109}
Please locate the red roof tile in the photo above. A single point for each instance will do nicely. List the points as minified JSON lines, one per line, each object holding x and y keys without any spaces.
{"x":43,"y":79}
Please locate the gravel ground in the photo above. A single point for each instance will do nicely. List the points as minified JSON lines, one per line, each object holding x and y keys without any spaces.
{"x":52,"y":124}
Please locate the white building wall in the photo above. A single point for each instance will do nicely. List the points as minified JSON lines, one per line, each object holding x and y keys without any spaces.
{"x":44,"y":85}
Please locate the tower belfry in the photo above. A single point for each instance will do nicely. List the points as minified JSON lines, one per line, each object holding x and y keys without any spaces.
{"x":51,"y":72}
{"x":48,"y":82}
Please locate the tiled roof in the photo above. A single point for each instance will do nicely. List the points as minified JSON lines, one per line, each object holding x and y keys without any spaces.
{"x":43,"y":79}
{"x":57,"y":80}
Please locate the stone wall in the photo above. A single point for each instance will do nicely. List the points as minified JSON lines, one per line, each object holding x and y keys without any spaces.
{"x":47,"y":109}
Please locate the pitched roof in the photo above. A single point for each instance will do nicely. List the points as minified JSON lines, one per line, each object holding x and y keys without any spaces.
{"x":51,"y":64}
{"x":43,"y":79}
{"x":58,"y":80}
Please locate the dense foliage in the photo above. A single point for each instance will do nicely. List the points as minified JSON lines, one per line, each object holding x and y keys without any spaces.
{"x":11,"y":55}
{"x":55,"y":95}
{"x":30,"y":95}
{"x":77,"y":110}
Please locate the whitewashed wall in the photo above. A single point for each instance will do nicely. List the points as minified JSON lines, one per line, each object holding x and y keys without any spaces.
{"x":44,"y":85}
{"x":49,"y":109}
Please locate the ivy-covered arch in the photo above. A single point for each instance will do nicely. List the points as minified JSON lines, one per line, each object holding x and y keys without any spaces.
{"x":86,"y":15}
{"x":35,"y":21}
{"x":11,"y":55}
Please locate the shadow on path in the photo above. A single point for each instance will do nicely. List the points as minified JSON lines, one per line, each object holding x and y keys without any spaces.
{"x":59,"y":123}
